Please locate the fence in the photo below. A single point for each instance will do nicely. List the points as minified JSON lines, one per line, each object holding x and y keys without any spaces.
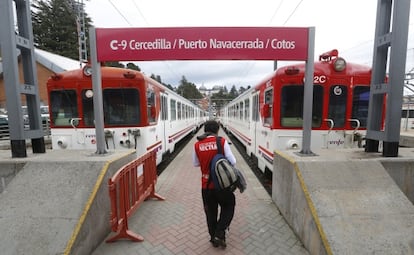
{"x":128,"y":188}
{"x":5,"y":132}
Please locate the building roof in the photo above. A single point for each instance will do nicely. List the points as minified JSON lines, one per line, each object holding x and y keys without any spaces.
{"x":51,"y":61}
{"x":54,"y":62}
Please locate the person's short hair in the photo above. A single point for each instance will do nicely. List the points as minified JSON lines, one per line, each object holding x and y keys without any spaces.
{"x":211,"y":126}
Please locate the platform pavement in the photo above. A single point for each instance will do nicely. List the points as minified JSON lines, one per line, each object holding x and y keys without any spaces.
{"x":178,"y":226}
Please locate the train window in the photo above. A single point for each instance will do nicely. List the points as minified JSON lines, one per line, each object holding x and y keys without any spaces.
{"x":241,"y":110}
{"x":164,"y":107}
{"x":269,"y":101}
{"x":121,"y":106}
{"x":255,"y":108}
{"x":63,"y":107}
{"x":360,"y":102}
{"x":173,"y":110}
{"x":337,"y":105}
{"x":151,"y":106}
{"x":246,"y":109}
{"x":407,"y":113}
{"x":292,"y":106}
{"x":179,"y":110}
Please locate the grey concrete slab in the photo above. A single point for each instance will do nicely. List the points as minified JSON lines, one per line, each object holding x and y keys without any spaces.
{"x":356,"y":207}
{"x":42,"y":207}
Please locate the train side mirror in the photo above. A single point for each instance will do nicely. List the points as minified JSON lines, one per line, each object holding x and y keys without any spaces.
{"x":266,"y":111}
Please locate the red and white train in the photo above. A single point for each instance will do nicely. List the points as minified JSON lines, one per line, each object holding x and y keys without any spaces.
{"x":139,"y":112}
{"x":268,"y":116}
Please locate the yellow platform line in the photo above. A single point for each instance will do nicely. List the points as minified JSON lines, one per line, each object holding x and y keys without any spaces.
{"x":85,"y":212}
{"x":309,"y":201}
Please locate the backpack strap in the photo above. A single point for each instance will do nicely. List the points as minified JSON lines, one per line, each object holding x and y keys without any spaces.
{"x":219,"y":151}
{"x":219,"y":147}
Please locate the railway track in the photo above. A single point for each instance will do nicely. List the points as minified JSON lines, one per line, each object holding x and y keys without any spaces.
{"x":170,"y":157}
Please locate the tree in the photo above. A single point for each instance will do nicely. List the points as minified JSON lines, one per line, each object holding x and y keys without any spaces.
{"x":241,"y":90}
{"x":233,"y":92}
{"x":188,"y":89}
{"x":55,"y":28}
{"x":132,"y":66}
{"x":114,"y":64}
{"x":221,"y":98}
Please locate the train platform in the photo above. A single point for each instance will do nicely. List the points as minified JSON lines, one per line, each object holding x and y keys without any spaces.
{"x":178,"y":225}
{"x":337,"y":202}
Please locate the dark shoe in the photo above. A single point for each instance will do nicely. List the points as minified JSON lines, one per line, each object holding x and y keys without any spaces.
{"x":214,"y":242}
{"x":220,"y":242}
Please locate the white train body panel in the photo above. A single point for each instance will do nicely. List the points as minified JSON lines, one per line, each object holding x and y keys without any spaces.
{"x":159,"y":119}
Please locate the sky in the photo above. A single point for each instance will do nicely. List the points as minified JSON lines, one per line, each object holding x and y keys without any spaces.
{"x":348,"y":26}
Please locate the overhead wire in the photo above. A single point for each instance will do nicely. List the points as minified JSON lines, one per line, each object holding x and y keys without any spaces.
{"x":293,"y":12}
{"x":139,"y":10}
{"x":145,"y":20}
{"x":164,"y":62}
{"x":250,"y":67}
{"x":119,"y":12}
{"x":276,"y":11}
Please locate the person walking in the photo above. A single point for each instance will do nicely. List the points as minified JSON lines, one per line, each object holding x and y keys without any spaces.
{"x":204,"y":151}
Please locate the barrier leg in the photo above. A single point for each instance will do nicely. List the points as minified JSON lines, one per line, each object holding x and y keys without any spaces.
{"x":126,"y":234}
{"x":155,"y":195}
{"x":124,"y":206}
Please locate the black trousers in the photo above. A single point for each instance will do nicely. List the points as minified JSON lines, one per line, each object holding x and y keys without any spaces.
{"x":212,"y":199}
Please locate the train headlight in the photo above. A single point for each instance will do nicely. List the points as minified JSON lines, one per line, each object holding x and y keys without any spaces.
{"x":339,"y":64}
{"x":89,"y":93}
{"x":62,"y":143}
{"x":292,"y":145}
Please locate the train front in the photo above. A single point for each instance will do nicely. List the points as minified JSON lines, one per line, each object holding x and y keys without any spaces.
{"x":126,"y":109}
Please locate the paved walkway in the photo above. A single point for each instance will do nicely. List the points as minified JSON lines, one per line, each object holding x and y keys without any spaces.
{"x":178,"y":226}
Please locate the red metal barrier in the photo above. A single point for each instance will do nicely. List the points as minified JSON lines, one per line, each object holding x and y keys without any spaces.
{"x":128,"y":188}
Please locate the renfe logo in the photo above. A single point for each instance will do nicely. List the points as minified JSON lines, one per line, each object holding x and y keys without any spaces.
{"x":202,"y":43}
{"x":336,"y":142}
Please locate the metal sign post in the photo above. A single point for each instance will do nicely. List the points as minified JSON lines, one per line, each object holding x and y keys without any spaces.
{"x":97,"y":95}
{"x":308,"y":96}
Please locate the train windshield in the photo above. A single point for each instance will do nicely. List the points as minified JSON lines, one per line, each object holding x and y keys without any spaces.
{"x":360,"y":102}
{"x":121,"y":106}
{"x":292,"y":106}
{"x":63,"y":107}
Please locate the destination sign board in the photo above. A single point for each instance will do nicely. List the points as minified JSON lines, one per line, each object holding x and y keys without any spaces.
{"x":202,"y":43}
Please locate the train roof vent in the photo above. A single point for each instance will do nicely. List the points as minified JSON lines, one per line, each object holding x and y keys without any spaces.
{"x":327,"y":56}
{"x":291,"y":70}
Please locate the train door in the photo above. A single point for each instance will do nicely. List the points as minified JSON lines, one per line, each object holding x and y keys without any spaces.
{"x":255,"y":121}
{"x":249,"y":124}
{"x":164,"y":121}
{"x":336,"y":136}
{"x":264,"y":136}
